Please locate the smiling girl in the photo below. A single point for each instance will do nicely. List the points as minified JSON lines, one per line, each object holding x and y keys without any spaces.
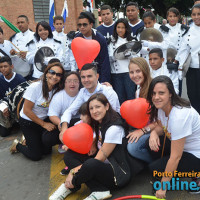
{"x":140,"y":74}
{"x":191,"y":45}
{"x":120,"y":79}
{"x":33,"y":115}
{"x":43,"y":37}
{"x":178,"y":126}
{"x":99,"y":173}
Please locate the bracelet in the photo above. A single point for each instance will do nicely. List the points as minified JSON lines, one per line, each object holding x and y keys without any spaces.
{"x":143,"y":131}
{"x":104,"y":153}
{"x":72,"y":172}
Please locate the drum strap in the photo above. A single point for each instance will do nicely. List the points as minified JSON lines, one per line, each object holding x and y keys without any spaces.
{"x":3,"y":53}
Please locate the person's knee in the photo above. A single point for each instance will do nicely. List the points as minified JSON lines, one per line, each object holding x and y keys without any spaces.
{"x":91,"y":164}
{"x":36,"y":157}
{"x":131,"y":147}
{"x":46,"y":139}
{"x":4,"y":131}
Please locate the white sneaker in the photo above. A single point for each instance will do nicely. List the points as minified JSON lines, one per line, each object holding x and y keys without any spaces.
{"x":99,"y":195}
{"x":60,"y":193}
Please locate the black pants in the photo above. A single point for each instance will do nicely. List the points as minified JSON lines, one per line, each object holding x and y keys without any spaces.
{"x":187,"y":163}
{"x":34,"y":148}
{"x":51,"y":138}
{"x":97,"y":175}
{"x":193,"y":87}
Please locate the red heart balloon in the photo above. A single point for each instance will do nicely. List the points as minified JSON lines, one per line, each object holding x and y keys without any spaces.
{"x":85,"y":51}
{"x":135,"y":112}
{"x":79,"y":138}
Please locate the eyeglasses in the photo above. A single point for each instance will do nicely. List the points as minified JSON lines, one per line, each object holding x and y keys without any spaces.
{"x":72,"y":81}
{"x":52,"y":72}
{"x":83,"y":24}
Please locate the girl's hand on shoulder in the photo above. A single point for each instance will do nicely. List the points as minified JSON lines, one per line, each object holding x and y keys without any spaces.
{"x":49,"y":126}
{"x":134,"y":136}
{"x":106,"y":84}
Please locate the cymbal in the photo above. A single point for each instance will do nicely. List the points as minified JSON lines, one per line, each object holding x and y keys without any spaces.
{"x":151,"y":34}
{"x":41,"y":54}
{"x":127,"y":49}
{"x":171,"y":54}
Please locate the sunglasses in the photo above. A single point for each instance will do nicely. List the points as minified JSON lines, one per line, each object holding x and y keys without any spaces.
{"x":52,"y":72}
{"x":83,"y":24}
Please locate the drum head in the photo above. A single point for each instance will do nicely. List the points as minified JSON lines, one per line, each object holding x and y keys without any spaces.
{"x":15,"y":97}
{"x":21,"y":66}
{"x":151,"y":34}
{"x":41,"y":54}
{"x":125,"y":50}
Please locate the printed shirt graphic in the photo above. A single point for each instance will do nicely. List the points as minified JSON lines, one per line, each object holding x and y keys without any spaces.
{"x":44,"y":105}
{"x":41,"y":105}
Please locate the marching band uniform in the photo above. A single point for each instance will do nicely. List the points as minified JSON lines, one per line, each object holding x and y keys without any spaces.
{"x":121,"y":82}
{"x":102,"y":59}
{"x":5,"y":47}
{"x":6,"y":87}
{"x":69,"y":62}
{"x":137,"y":26}
{"x":34,"y":46}
{"x":105,"y":30}
{"x":191,"y":45}
{"x":173,"y":75}
{"x":20,"y":40}
{"x":144,"y":52}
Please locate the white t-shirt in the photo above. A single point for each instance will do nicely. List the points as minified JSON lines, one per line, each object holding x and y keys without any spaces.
{"x":113,"y":135}
{"x":35,"y":95}
{"x":183,"y":122}
{"x":59,"y":103}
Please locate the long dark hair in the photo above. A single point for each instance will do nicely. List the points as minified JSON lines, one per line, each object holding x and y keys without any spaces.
{"x":175,"y":99}
{"x":127,"y":27}
{"x":111,"y":115}
{"x":46,"y":26}
{"x":57,"y":87}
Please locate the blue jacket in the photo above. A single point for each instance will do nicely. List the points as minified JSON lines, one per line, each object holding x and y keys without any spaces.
{"x":102,"y":59}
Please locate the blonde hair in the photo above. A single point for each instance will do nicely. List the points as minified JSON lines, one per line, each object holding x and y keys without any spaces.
{"x":143,"y":65}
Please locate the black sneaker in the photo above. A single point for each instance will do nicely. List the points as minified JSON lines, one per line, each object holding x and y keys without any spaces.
{"x":197,"y":191}
{"x":65,"y":171}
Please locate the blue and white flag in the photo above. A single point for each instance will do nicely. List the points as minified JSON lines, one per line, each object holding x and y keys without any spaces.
{"x":65,"y":11}
{"x":51,"y":14}
{"x":89,"y":6}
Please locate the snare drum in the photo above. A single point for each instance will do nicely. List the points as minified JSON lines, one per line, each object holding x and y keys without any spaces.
{"x":16,"y":100}
{"x":21,"y":66}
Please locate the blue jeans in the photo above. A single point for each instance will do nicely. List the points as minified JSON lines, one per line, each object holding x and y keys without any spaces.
{"x":139,"y":150}
{"x":123,"y":86}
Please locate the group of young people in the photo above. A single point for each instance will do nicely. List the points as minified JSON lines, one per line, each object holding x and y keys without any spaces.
{"x":54,"y":102}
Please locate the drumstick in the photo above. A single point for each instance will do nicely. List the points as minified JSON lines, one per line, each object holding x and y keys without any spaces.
{"x":15,"y":47}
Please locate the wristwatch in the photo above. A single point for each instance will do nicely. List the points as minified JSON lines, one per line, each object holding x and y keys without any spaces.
{"x":147,"y":129}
